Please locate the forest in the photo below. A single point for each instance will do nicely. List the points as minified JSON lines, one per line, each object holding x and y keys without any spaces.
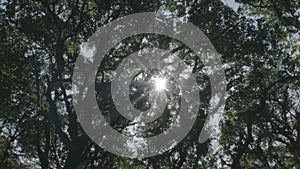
{"x":41,"y":42}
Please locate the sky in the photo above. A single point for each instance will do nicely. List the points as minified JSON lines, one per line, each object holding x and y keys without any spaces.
{"x":231,"y":3}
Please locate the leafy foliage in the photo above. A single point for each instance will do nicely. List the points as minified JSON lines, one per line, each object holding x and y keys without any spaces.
{"x":259,"y":43}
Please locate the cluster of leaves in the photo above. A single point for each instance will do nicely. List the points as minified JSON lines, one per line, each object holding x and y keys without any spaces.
{"x":259,"y":44}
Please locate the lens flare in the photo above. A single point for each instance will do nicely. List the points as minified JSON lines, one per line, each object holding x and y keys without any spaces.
{"x":160,"y":83}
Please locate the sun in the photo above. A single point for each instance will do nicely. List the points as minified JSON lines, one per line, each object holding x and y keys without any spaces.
{"x":160,"y":83}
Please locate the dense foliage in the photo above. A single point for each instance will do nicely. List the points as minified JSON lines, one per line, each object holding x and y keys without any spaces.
{"x":259,"y":44}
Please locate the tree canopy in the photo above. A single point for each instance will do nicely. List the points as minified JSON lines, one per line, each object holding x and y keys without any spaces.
{"x":259,"y":46}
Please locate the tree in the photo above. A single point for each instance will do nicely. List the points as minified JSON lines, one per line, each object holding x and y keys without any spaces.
{"x":40,"y":42}
{"x":266,"y":118}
